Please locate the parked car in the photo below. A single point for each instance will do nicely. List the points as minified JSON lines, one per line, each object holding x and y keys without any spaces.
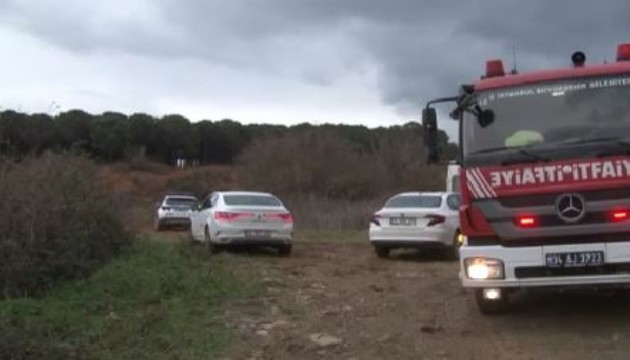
{"x":243,"y":218}
{"x":423,"y":220}
{"x":174,"y":211}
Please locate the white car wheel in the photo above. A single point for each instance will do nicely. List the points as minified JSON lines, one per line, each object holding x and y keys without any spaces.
{"x":208,"y":244}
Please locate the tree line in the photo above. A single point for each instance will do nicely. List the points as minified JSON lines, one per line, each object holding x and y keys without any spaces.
{"x":113,"y":136}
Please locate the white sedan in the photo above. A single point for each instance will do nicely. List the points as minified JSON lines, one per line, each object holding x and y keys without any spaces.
{"x":417,"y":220}
{"x":243,"y":218}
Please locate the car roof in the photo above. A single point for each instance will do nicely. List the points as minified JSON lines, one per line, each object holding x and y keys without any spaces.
{"x":187,"y":196}
{"x":245,"y":193}
{"x":425,"y":193}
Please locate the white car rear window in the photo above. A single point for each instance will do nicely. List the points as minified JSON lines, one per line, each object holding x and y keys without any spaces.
{"x":251,"y":200}
{"x":180,"y":201}
{"x":414,"y":201}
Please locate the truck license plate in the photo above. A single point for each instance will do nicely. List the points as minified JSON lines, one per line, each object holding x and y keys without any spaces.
{"x":575,"y":259}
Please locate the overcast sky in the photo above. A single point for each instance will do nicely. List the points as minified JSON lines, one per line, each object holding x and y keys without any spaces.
{"x":370,"y":62}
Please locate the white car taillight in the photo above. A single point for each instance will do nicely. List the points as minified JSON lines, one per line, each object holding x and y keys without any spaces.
{"x":376,"y":219}
{"x":229,"y":216}
{"x":286,"y":218}
{"x":435,"y":219}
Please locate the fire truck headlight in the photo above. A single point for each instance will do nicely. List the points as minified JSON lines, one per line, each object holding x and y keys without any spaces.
{"x":483,"y":269}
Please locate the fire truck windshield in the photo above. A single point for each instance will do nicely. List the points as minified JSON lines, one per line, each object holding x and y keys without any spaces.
{"x":548,"y":115}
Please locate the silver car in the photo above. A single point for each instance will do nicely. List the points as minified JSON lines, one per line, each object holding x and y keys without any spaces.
{"x":417,"y":220}
{"x":174,"y":211}
{"x":243,"y":218}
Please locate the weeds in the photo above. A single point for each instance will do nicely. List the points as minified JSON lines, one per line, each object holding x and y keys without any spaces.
{"x":157,"y":300}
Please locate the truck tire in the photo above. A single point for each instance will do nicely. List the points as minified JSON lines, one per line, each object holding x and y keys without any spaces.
{"x":491,"y":307}
{"x":381,"y":251}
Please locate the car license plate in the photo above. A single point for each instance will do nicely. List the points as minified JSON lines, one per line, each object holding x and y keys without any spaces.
{"x":258,"y":234}
{"x":402,"y":221}
{"x":575,"y":259}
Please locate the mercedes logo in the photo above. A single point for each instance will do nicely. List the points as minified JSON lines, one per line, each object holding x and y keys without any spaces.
{"x":570,"y":207}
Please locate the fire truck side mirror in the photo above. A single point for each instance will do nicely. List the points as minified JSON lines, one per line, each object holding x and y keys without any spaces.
{"x":430,"y":134}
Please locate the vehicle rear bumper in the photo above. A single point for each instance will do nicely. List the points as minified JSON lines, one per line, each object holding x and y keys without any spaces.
{"x":256,"y":242}
{"x":525,"y":266}
{"x":239,"y":238}
{"x":173,"y":221}
{"x":435,"y":236}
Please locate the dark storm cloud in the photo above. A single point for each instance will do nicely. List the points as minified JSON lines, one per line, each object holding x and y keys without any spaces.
{"x":421,"y":49}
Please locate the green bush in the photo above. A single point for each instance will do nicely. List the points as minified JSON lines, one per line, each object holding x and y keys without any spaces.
{"x":57,"y":222}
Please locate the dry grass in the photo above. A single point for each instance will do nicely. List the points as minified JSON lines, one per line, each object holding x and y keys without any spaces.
{"x":316,"y":213}
{"x":57,"y":222}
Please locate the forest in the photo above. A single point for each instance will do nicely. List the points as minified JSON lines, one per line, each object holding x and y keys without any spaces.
{"x":114,"y":136}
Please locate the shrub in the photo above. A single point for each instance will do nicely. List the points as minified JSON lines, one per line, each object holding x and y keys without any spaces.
{"x":202,"y":180}
{"x":57,"y":222}
{"x":320,"y":162}
{"x":332,"y":183}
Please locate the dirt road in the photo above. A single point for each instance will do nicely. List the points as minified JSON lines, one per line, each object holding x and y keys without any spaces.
{"x":338,"y":301}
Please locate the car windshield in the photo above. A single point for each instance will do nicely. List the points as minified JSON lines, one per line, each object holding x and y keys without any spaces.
{"x":251,"y":200}
{"x":553,"y":113}
{"x":414,"y":201}
{"x":180,"y":202}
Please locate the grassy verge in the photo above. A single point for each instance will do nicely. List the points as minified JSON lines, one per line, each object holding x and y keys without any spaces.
{"x":157,"y":301}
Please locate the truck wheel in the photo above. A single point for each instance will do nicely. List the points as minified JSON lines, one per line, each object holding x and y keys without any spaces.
{"x":490,"y":307}
{"x":381,"y":251}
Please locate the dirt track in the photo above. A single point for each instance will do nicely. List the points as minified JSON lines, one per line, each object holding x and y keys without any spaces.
{"x":338,"y":301}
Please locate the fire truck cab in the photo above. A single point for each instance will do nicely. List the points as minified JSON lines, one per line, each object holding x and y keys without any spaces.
{"x":544,"y":177}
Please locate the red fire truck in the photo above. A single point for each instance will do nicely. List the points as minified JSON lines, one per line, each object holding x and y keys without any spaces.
{"x":544,"y":177}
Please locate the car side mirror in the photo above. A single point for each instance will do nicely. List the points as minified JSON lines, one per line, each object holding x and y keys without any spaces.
{"x":430,"y":134}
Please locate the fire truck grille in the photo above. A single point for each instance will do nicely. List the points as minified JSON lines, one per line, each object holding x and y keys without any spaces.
{"x":550,"y":199}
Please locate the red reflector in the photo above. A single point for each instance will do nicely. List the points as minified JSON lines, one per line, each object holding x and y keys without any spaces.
{"x":620,"y":215}
{"x":623,"y":52}
{"x":494,"y":68}
{"x":526,"y":221}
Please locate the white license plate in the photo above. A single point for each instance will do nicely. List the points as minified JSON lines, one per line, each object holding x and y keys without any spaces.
{"x":402,"y":221}
{"x":574,"y":259}
{"x":258,"y":234}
